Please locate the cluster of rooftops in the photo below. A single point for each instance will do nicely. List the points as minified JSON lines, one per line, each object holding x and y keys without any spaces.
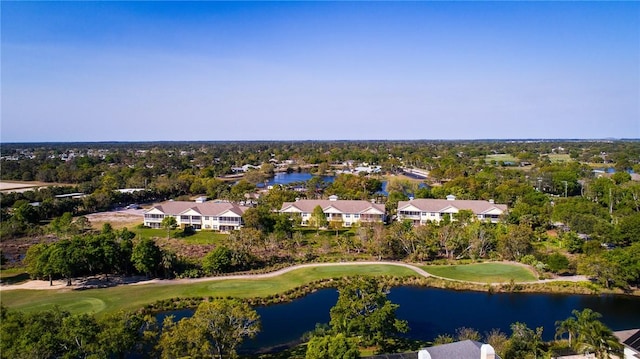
{"x":224,"y":216}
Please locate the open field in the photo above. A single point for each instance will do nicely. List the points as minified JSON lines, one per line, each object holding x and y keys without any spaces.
{"x":118,"y":219}
{"x":131,"y":297}
{"x":483,"y":272}
{"x":22,"y":186}
{"x":559,"y":157}
{"x":199,"y":237}
{"x":504,"y":157}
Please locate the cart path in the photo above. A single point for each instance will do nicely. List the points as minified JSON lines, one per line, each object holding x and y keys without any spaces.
{"x":61,"y":284}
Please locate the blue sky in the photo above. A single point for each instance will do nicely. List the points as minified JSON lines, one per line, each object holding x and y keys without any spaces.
{"x":137,"y":71}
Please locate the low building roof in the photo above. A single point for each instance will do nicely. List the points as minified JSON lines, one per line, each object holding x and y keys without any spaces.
{"x":342,"y":205}
{"x":629,"y":338}
{"x":438,"y":205}
{"x":175,"y":208}
{"x":466,"y":349}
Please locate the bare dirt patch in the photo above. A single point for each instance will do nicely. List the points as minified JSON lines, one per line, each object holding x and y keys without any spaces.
{"x":21,"y":186}
{"x":14,"y":249}
{"x":118,"y":219}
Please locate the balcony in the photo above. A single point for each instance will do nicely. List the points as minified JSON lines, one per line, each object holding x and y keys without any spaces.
{"x":409,"y":215}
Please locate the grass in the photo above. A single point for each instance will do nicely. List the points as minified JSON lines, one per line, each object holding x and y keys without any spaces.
{"x":483,"y":272}
{"x":504,"y":157}
{"x":199,"y":237}
{"x":131,"y":297}
{"x":559,"y":157}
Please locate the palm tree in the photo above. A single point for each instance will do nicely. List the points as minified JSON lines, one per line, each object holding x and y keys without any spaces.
{"x":599,"y":340}
{"x":569,"y":326}
{"x":590,"y":334}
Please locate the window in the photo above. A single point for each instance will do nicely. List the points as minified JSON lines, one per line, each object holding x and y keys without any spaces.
{"x":424,"y":214}
{"x":357,"y":215}
{"x":206,"y":218}
{"x":347,"y":215}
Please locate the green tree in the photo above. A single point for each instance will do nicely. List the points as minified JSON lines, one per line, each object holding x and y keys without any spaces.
{"x":524,"y":342}
{"x":227,"y":323}
{"x":120,"y":333}
{"x":26,"y":213}
{"x":283,"y":225}
{"x":318,"y":218}
{"x":31,"y":335}
{"x":216,"y":329}
{"x":63,"y":225}
{"x":169,"y":223}
{"x":78,"y":336}
{"x":184,"y":339}
{"x":628,"y":229}
{"x":568,"y":326}
{"x":218,"y":261}
{"x":607,"y":272}
{"x":515,"y":242}
{"x":557,"y":263}
{"x":332,"y":347}
{"x":146,"y":257}
{"x":364,"y":310}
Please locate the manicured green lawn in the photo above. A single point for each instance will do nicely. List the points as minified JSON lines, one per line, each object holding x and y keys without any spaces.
{"x":132,"y":297}
{"x":483,"y":272}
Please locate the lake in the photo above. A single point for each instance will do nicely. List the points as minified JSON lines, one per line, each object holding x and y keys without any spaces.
{"x":432,"y":311}
{"x":286,"y":178}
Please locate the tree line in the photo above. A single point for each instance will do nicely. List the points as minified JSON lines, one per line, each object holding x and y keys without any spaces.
{"x":107,"y":252}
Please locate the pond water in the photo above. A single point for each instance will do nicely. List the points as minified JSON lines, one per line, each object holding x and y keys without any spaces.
{"x":432,"y":311}
{"x":286,"y":178}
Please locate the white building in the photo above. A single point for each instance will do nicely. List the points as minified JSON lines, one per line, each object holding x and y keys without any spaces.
{"x":422,"y":210}
{"x":217,"y":216}
{"x":349,"y":212}
{"x":631,"y":341}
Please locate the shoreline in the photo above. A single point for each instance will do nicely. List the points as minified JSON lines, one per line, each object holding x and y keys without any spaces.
{"x":566,"y":285}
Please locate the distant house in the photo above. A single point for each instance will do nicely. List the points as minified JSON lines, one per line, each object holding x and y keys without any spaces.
{"x":217,"y":216}
{"x":130,"y":190}
{"x":349,"y":212}
{"x":244,"y":168}
{"x":419,"y":211}
{"x":466,"y":349}
{"x":76,"y":195}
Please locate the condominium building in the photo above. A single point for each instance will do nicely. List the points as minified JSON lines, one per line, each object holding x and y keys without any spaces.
{"x":421,"y":210}
{"x":349,"y":212}
{"x":217,"y":216}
